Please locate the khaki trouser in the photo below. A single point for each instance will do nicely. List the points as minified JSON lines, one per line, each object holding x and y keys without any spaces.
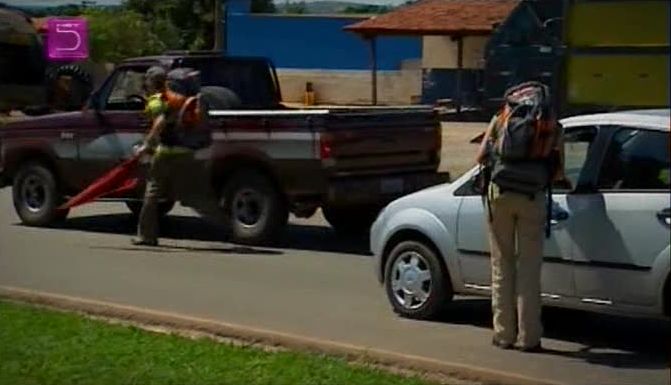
{"x":178,"y":177}
{"x":516,"y":244}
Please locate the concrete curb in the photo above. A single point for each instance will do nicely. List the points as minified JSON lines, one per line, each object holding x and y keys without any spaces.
{"x":268,"y":337}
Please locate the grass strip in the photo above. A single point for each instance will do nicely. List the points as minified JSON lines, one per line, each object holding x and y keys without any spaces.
{"x":39,"y":346}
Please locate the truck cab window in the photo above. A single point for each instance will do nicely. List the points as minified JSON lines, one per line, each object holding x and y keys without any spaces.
{"x":126,"y":86}
{"x":636,"y":160}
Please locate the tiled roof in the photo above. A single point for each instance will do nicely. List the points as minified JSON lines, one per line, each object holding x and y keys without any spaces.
{"x":439,"y":17}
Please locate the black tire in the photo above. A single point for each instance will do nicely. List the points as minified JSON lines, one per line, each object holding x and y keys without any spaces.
{"x":351,"y":220}
{"x":36,"y":195}
{"x":164,"y":207}
{"x":256,"y":210}
{"x":439,"y":287}
{"x":219,"y":98}
{"x":81,"y":86}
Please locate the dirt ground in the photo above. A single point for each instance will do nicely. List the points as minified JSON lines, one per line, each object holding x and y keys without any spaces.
{"x":458,"y":154}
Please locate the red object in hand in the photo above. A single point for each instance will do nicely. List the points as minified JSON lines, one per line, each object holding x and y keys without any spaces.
{"x":119,"y":180}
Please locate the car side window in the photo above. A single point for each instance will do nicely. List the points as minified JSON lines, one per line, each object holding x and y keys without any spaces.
{"x":577,"y":144}
{"x":636,"y":159}
{"x":127,"y":84}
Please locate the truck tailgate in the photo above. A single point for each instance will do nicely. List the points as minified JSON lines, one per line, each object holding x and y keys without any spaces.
{"x":378,"y":141}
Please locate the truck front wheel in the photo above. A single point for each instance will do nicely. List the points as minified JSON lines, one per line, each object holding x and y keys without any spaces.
{"x":256,"y":210}
{"x":36,"y":195}
{"x":351,"y":220}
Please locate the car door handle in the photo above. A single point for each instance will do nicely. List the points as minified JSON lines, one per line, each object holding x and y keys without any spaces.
{"x":664,"y":216}
{"x":65,"y":135}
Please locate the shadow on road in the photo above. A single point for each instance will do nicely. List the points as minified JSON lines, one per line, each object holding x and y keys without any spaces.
{"x":175,"y":249}
{"x":176,"y":227}
{"x":607,"y":340}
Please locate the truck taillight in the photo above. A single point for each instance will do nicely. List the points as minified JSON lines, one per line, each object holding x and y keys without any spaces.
{"x":325,"y":147}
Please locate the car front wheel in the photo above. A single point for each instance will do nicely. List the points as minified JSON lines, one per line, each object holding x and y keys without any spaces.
{"x":417,"y":285}
{"x":36,"y":195}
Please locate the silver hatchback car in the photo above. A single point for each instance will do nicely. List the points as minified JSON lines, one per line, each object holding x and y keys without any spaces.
{"x":609,"y":247}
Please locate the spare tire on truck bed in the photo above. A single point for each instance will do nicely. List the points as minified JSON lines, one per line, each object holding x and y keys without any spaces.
{"x":70,"y":94}
{"x":219,"y":98}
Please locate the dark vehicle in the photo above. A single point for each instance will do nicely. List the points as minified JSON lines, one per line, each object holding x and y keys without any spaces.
{"x":266,"y":160}
{"x":29,"y":82}
{"x":594,"y":54}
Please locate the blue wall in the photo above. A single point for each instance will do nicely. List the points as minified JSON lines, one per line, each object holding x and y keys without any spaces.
{"x":311,"y":42}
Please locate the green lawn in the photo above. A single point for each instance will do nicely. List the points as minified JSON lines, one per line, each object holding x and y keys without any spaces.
{"x":38,"y":346}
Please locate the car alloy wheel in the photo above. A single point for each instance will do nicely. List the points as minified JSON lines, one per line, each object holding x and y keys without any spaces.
{"x":416,"y":281}
{"x":411,"y":280}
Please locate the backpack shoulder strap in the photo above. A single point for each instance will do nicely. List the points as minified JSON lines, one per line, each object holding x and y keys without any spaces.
{"x":190,"y":103}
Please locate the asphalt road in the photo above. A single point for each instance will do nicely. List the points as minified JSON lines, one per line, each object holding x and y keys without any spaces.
{"x":315,"y":285}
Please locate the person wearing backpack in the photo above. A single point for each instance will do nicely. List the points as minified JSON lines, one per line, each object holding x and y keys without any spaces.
{"x":176,"y":133}
{"x":521,"y":154}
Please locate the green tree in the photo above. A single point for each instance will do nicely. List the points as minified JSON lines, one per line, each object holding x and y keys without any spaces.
{"x":115,"y":35}
{"x":186,"y":24}
{"x":366,"y":8}
{"x":295,"y":8}
{"x":263,"y":6}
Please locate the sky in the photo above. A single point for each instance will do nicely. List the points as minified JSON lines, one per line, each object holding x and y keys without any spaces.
{"x":116,"y":2}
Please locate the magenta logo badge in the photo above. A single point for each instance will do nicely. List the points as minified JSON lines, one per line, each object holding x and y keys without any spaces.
{"x":67,"y":39}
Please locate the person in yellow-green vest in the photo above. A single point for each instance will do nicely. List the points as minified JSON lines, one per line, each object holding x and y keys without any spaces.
{"x":174,"y":173}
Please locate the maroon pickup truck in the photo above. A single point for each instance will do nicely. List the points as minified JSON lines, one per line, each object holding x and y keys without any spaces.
{"x":266,"y":160}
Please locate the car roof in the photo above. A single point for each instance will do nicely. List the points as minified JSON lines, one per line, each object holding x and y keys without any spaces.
{"x":658,"y":120}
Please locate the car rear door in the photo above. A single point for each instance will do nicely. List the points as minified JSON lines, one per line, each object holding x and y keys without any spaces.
{"x":621,"y":236}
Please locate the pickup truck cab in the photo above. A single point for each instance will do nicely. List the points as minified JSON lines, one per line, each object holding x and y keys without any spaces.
{"x":266,"y":160}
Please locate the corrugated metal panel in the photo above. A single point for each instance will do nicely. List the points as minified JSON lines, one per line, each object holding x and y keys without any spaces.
{"x":618,"y":53}
{"x":618,"y":80}
{"x":619,"y":23}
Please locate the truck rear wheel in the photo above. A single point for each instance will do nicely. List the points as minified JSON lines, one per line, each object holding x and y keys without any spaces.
{"x":36,"y":195}
{"x":256,"y":211}
{"x":351,"y":220}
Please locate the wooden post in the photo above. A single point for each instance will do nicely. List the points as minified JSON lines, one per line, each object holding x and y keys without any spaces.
{"x":373,"y":65}
{"x":460,"y":70}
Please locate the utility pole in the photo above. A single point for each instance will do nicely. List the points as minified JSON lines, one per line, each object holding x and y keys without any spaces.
{"x":219,"y":27}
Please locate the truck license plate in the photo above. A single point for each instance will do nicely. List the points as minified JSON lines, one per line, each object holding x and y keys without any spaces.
{"x":391,"y":186}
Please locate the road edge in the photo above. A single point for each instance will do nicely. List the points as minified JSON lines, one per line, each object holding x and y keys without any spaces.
{"x":267,"y":337}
